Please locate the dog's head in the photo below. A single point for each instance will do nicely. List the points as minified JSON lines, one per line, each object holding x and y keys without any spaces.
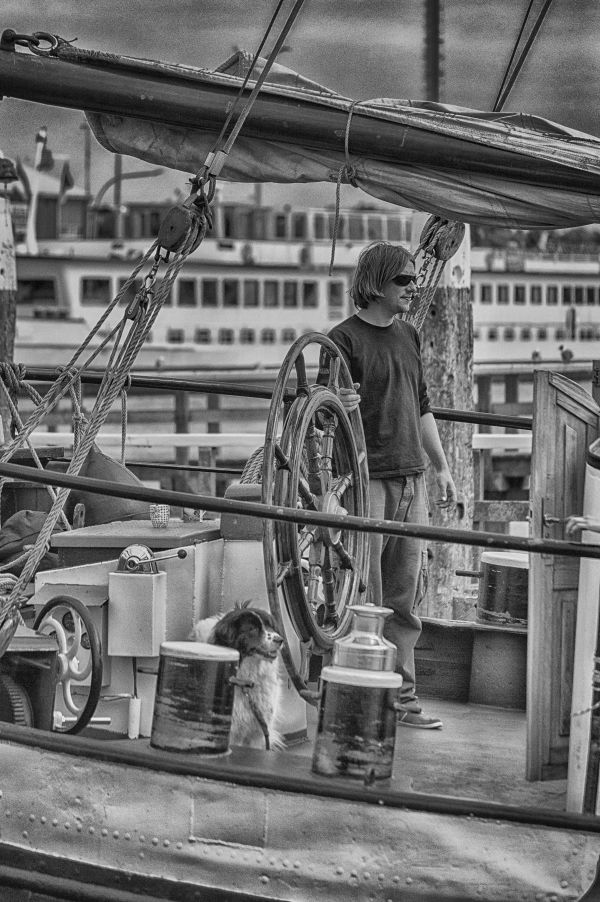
{"x":251,"y":631}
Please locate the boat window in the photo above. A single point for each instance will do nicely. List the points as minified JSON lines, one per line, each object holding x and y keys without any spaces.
{"x":130,"y":293}
{"x":175,"y":336}
{"x":37,"y":291}
{"x":395,"y":230}
{"x":526,"y":334}
{"x":542,"y":333}
{"x":492,"y":334}
{"x":503,"y":294}
{"x":202,"y":336}
{"x":509,"y":334}
{"x":320,"y":226}
{"x":485,"y":294}
{"x":586,"y":333}
{"x":335,"y":300}
{"x":290,"y":294}
{"x":560,"y":334}
{"x":251,"y":293}
{"x":281,"y":225}
{"x":310,"y":294}
{"x":231,"y":293}
{"x":476,"y":334}
{"x":186,"y":293}
{"x":288,"y":335}
{"x":225,"y":336}
{"x":374,"y":228}
{"x":95,"y":291}
{"x":271,"y":293}
{"x":356,"y":228}
{"x":552,"y":295}
{"x":247,"y":336}
{"x":519,"y":294}
{"x":299,"y":229}
{"x":267,"y":336}
{"x":579,"y":295}
{"x":536,"y":294}
{"x":590,"y":295}
{"x":567,"y":294}
{"x":209,"y":293}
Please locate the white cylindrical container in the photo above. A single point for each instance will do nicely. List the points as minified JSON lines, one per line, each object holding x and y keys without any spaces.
{"x":503,"y":588}
{"x":356,"y":726}
{"x":194,"y":698}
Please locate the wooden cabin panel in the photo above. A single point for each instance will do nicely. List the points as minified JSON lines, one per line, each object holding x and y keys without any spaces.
{"x":565,"y":422}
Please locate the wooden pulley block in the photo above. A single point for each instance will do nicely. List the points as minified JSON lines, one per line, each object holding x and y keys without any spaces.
{"x":178,"y":224}
{"x":442,"y":237}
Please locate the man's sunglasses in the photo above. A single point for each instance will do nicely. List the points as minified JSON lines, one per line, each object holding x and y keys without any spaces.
{"x":404,"y":279}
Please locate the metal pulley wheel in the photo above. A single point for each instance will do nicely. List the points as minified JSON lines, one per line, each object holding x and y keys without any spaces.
{"x":79,"y":658}
{"x":314,"y":458}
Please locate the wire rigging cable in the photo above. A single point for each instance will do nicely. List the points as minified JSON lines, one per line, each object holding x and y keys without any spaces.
{"x":516,"y":62}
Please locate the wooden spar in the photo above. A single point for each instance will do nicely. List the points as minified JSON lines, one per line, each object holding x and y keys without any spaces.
{"x":293,"y":117}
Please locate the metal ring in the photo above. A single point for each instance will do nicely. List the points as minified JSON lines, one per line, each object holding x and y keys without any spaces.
{"x":38,"y":37}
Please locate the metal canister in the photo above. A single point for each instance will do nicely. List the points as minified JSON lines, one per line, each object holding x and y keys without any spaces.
{"x":503,"y":589}
{"x":356,"y":726}
{"x":364,"y":646}
{"x":194,"y":698}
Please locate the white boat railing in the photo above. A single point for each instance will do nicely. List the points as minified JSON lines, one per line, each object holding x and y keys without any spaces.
{"x":156,"y":439}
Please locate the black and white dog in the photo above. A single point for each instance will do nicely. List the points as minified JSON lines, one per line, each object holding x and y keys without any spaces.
{"x":252,"y":633}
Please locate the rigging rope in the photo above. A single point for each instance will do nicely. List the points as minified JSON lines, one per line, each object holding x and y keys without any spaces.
{"x":511,"y":74}
{"x":216,"y":158}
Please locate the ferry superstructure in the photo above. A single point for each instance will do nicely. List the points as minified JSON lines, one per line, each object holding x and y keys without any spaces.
{"x":265,"y":279}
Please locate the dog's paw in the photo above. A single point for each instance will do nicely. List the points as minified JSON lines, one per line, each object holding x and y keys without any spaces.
{"x":203,"y":629}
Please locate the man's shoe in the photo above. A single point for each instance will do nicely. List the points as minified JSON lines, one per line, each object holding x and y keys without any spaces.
{"x":418,"y":721}
{"x":413,"y":706}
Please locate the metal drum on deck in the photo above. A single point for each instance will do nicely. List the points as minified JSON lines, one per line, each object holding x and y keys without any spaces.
{"x":356,"y":726}
{"x":194,"y":698}
{"x":503,"y":588}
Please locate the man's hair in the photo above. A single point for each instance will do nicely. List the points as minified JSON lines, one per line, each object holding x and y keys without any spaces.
{"x":378,"y":264}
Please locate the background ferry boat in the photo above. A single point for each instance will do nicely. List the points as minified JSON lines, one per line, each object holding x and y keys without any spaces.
{"x":263,"y":279}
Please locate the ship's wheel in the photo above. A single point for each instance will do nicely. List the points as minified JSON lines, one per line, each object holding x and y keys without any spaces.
{"x":314,"y":458}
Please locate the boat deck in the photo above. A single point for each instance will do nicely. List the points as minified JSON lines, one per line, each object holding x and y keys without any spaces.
{"x":478,"y":754}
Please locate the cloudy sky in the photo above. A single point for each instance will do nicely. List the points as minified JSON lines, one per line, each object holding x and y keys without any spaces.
{"x":362,"y":48}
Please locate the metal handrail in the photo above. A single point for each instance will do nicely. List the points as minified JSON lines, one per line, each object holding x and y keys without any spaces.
{"x":198,"y":386}
{"x":298,"y":515}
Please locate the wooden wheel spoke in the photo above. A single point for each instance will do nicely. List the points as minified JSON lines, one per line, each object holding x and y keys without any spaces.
{"x":314,"y":584}
{"x":306,"y":496}
{"x":312,"y":443}
{"x":306,"y":538}
{"x":328,"y":573}
{"x":302,"y":387}
{"x":327,"y":444}
{"x":283,"y":571}
{"x":283,"y":461}
{"x":345,"y":559}
{"x":341,"y":484}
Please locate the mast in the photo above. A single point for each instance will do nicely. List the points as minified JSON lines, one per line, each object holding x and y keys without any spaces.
{"x":447,"y":351}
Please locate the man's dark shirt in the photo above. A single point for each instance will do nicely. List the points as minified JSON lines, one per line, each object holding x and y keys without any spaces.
{"x":386,"y":361}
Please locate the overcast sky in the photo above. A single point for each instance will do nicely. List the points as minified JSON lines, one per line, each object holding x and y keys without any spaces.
{"x":362,"y":48}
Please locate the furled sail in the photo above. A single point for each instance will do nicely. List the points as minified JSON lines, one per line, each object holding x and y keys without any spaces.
{"x":503,"y":169}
